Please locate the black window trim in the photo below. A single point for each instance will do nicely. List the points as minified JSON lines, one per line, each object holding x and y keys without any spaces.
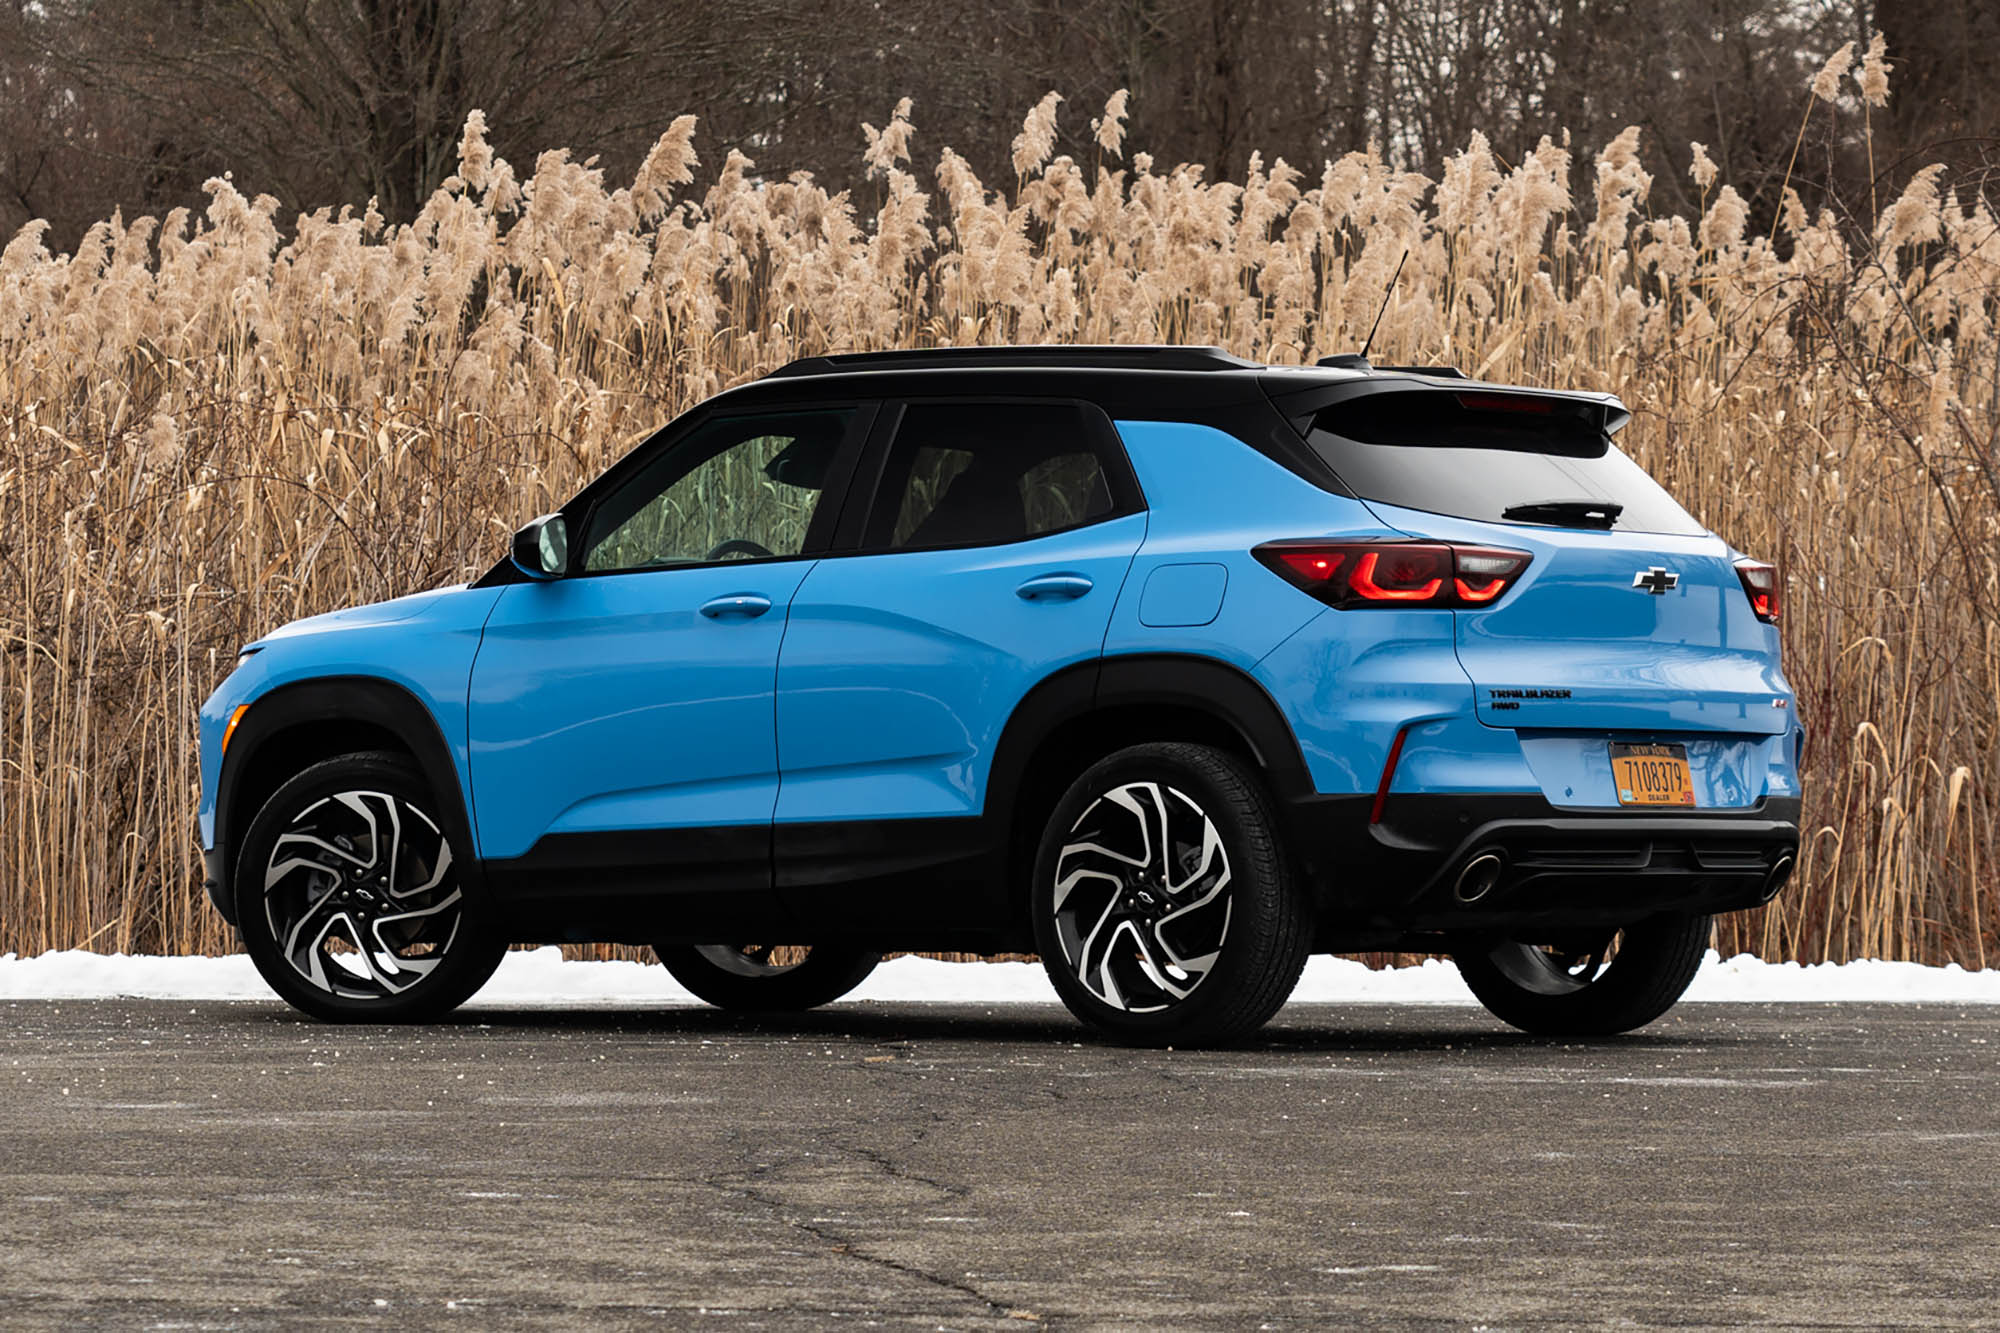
{"x":1127,"y":496}
{"x":582,"y":508}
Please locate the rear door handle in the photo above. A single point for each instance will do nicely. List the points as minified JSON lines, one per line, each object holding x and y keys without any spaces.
{"x":1053,"y":588}
{"x":736,"y":606}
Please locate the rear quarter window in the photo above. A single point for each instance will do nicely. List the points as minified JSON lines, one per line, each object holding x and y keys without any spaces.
{"x":1478,"y":455}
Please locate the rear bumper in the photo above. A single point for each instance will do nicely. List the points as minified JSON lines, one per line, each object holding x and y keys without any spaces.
{"x":1415,"y":871}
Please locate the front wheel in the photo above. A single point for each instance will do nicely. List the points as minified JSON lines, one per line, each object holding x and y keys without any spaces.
{"x":349,"y":897}
{"x":1164,"y":906}
{"x":767,"y":978}
{"x":1588,"y":983}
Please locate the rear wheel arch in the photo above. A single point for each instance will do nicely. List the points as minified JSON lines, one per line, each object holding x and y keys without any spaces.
{"x":296,"y":726}
{"x":1085,"y":713}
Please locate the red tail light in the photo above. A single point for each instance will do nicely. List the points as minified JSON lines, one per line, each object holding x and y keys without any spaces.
{"x":1395,"y":574}
{"x":1760,"y":581}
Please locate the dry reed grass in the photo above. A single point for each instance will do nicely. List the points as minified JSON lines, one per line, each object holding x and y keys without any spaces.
{"x":211,"y":426}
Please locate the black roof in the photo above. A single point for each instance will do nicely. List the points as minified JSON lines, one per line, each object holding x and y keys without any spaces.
{"x":1139,"y":381}
{"x":1046,"y":356}
{"x":1269,"y":408}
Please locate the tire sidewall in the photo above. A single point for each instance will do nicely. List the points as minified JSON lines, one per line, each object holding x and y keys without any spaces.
{"x":474,"y":953}
{"x":1655,"y":964}
{"x":828,"y":972}
{"x":1256,"y":884}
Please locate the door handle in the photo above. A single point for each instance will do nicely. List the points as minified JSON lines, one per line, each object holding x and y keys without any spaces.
{"x":1053,"y":588}
{"x":736,"y":606}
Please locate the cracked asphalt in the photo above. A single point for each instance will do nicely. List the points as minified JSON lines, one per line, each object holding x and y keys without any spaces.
{"x":233,"y":1166}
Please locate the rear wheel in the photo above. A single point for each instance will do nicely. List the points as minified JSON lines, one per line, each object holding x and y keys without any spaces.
{"x":767,"y":977}
{"x":1164,"y":907}
{"x":1588,"y":983}
{"x":349,"y":898}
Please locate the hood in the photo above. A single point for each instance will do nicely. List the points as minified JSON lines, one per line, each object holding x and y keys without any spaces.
{"x":357,"y":617}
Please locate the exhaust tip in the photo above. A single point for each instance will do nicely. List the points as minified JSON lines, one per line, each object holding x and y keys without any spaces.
{"x":1779,"y":876}
{"x":1480,"y":877}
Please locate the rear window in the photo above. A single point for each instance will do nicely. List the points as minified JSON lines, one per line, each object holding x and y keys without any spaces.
{"x":1504,"y":458}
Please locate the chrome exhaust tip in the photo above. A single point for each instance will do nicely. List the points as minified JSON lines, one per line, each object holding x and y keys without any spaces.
{"x":1779,"y":876}
{"x":1480,"y":877}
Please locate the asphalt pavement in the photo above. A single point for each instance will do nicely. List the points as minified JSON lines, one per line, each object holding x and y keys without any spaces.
{"x":234,"y":1166}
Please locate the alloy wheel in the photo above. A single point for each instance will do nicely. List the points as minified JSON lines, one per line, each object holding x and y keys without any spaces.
{"x":360,"y":896}
{"x":1142,"y":897}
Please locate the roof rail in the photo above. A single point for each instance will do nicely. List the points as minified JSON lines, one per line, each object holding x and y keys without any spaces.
{"x":1356,"y":361}
{"x":1039,"y":356}
{"x":1435,"y":372}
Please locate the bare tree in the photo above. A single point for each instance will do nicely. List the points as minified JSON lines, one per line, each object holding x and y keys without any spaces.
{"x":132,"y":103}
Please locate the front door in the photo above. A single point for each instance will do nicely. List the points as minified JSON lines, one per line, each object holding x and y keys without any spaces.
{"x":622,"y":734}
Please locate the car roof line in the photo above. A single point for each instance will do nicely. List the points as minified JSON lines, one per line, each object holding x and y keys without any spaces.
{"x":1111,"y":356}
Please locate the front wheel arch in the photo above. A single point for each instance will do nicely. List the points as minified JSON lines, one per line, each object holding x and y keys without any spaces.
{"x":295,"y":726}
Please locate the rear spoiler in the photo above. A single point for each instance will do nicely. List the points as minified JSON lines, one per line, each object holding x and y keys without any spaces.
{"x":1301,"y":403}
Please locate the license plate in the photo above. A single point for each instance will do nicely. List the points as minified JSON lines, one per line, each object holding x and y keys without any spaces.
{"x":1651,"y":774}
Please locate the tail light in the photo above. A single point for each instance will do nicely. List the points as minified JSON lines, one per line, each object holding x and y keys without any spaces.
{"x":1395,"y":574}
{"x":1760,"y":582}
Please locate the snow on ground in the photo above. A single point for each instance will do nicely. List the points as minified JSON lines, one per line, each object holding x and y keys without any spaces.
{"x":541,"y":977}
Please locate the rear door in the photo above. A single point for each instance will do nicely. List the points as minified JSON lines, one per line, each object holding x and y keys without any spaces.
{"x":1630,"y":621}
{"x":989,"y":557}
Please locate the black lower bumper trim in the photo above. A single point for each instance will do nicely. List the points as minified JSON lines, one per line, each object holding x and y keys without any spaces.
{"x":1557,"y":866}
{"x":213,"y":881}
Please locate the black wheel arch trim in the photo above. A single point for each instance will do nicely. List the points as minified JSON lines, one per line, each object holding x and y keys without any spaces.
{"x":370,"y":700}
{"x":1220,"y":689}
{"x":1182,"y":680}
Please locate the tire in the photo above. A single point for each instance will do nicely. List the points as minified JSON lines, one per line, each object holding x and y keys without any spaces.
{"x":763,"y":978}
{"x":1193,"y":938}
{"x":311,"y":877}
{"x":1589,"y":986}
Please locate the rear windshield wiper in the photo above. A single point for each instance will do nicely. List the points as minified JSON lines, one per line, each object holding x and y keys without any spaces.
{"x":1567,"y":513}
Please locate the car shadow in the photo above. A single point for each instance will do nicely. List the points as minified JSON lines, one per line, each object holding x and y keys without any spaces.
{"x":1359,"y":1028}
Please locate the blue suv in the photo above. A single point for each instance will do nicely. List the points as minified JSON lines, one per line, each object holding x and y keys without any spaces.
{"x":1168,"y":666}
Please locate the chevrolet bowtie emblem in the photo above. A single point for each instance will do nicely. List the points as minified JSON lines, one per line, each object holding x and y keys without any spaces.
{"x":1656,"y":580}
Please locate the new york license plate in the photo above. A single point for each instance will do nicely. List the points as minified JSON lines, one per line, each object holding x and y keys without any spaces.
{"x":1651,"y":774}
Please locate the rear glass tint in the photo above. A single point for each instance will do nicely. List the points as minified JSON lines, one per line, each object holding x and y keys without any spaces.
{"x":976,"y":474}
{"x":1474,"y":455}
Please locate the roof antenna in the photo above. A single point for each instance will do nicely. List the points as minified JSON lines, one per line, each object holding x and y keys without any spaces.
{"x":1387,"y":293}
{"x":1359,"y":360}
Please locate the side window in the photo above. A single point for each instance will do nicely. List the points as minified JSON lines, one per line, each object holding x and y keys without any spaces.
{"x":738,"y":488}
{"x":979,"y":474}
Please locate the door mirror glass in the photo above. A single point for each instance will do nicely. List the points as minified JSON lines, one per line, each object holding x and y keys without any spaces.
{"x":541,"y":550}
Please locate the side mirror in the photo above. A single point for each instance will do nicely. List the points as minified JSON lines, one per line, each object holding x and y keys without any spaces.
{"x":541,"y":550}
